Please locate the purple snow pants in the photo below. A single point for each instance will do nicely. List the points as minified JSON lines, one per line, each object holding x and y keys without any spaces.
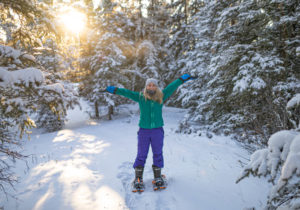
{"x":155,"y":137}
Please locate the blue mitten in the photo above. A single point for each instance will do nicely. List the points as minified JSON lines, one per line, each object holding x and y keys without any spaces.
{"x":111,"y":89}
{"x":185,"y":77}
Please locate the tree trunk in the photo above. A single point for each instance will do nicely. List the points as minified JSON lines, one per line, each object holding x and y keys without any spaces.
{"x":186,"y":2}
{"x":141,"y":20}
{"x":110,"y":112}
{"x":96,"y":110}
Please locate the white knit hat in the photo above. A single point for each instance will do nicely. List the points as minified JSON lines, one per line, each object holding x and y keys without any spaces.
{"x":152,"y":80}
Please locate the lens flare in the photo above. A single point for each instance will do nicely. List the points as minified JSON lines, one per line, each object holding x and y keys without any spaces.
{"x":73,"y":20}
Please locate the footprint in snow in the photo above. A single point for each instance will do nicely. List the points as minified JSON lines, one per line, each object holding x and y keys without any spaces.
{"x":149,"y":199}
{"x":126,"y":176}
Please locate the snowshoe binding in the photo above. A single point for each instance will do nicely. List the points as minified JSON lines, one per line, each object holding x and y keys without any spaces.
{"x":159,"y":182}
{"x":138,"y":184}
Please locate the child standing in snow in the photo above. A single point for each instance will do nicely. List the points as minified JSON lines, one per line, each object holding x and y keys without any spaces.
{"x":151,"y":124}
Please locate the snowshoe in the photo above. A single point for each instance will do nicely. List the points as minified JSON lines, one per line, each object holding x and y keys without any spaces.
{"x":159,"y":183}
{"x":138,"y":185}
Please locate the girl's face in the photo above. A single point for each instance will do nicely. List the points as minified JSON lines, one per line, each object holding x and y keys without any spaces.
{"x":151,"y":86}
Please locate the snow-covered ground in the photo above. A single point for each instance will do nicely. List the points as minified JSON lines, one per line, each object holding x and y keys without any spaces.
{"x":88,"y":165}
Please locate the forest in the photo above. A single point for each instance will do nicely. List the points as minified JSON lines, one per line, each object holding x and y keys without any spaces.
{"x":246,"y":55}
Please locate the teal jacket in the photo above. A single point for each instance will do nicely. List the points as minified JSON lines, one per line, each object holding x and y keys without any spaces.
{"x":150,"y":111}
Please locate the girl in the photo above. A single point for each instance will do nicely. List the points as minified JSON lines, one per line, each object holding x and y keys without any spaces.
{"x":151,"y":125}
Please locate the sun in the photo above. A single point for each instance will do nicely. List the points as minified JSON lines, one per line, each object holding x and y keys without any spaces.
{"x":73,"y":20}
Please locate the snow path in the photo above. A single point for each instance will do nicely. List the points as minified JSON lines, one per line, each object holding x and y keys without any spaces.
{"x":89,"y":166}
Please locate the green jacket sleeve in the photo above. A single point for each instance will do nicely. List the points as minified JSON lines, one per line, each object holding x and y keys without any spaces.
{"x":170,"y":89}
{"x":128,"y":94}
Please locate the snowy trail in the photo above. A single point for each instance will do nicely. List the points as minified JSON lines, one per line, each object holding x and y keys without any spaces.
{"x":89,"y":166}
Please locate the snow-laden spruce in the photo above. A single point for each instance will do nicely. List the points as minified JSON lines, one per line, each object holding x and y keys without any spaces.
{"x":281,"y":163}
{"x":295,"y":101}
{"x":26,"y":91}
{"x":249,"y":70}
{"x":107,"y":59}
{"x":293,"y":109}
{"x":298,"y":51}
{"x":121,"y":54}
{"x":26,"y":76}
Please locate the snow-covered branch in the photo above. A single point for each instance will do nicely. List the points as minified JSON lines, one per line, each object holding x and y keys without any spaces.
{"x":281,"y":163}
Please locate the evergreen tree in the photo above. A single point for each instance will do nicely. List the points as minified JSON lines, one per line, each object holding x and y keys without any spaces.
{"x":181,"y":39}
{"x":249,"y":79}
{"x":25,"y":22}
{"x":125,"y":50}
{"x":279,"y":162}
{"x":26,"y":87}
{"x":157,"y":26}
{"x":22,"y":87}
{"x":109,"y":57}
{"x":196,"y":60}
{"x":62,"y":93}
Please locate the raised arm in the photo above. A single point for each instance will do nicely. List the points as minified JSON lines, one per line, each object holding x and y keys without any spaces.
{"x":124,"y":92}
{"x":170,"y":89}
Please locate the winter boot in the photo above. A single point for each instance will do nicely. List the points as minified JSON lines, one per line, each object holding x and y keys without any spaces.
{"x":138,"y":185}
{"x":158,"y":178}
